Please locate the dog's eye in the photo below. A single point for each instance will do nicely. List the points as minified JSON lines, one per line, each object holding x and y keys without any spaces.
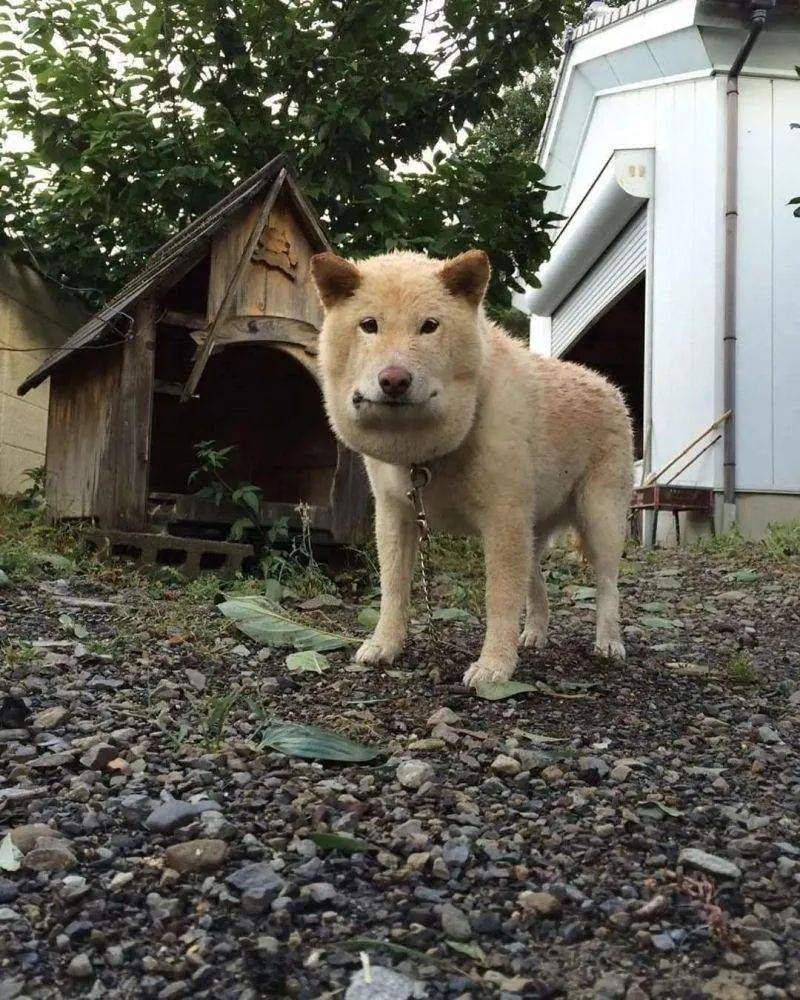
{"x":429,"y":325}
{"x":369,"y":324}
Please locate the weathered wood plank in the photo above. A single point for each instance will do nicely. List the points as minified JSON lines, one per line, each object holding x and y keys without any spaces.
{"x":122,"y":495}
{"x":351,"y":499}
{"x":230,"y":293}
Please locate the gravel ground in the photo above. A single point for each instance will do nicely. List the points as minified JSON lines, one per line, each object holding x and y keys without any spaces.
{"x":622,"y":831}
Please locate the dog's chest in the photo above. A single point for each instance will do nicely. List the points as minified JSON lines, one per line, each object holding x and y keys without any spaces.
{"x":451,"y":506}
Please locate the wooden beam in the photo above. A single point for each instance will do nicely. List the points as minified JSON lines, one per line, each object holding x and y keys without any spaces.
{"x":265,"y":329}
{"x":222,"y":313}
{"x":657,"y":475}
{"x":191,"y":321}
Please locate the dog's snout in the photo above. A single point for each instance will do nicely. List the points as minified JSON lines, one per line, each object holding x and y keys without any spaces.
{"x":394,"y":381}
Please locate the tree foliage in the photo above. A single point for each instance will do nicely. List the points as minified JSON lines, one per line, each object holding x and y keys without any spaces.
{"x":138,"y":116}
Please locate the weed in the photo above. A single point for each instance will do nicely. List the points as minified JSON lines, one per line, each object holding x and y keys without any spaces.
{"x":215,"y":709}
{"x":729,"y":544}
{"x":782,"y":541}
{"x":740,"y":671}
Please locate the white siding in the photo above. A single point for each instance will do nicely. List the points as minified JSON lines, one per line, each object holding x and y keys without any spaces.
{"x":768,"y":292}
{"x":683,"y":121}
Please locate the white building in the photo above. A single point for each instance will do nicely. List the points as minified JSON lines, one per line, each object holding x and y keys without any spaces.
{"x":647,"y":280}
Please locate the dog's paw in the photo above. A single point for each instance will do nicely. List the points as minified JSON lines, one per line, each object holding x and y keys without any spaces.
{"x":377,"y":650}
{"x":534,"y":637}
{"x":610,"y":649}
{"x":488,"y":672}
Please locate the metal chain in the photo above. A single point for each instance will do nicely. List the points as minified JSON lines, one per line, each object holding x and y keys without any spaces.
{"x":420,"y":477}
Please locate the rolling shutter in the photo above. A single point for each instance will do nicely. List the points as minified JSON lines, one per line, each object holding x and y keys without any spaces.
{"x":619,"y":267}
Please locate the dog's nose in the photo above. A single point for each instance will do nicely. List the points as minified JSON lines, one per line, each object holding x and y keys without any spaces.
{"x":394,"y":381}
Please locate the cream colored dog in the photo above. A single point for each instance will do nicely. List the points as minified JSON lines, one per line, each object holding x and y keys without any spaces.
{"x":518,"y":445}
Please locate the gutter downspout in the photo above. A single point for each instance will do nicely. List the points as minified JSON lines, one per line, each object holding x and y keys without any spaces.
{"x":758,"y":17}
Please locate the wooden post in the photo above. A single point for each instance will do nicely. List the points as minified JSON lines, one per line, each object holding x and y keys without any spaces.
{"x":126,"y":463}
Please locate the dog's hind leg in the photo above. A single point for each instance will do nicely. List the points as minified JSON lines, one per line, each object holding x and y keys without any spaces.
{"x":537,"y":609}
{"x":601,"y":514}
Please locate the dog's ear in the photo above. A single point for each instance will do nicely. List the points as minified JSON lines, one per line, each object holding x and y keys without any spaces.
{"x":467,"y":275}
{"x":335,"y":278}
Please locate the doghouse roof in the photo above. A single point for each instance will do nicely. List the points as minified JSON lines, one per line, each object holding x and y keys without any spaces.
{"x":180,"y":253}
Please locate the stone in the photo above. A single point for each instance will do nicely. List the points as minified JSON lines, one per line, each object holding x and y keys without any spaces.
{"x":98,"y":757}
{"x":383,"y":984}
{"x":445,"y":715}
{"x":54,"y":858}
{"x":320,"y":892}
{"x":49,"y":718}
{"x":663,"y":941}
{"x":80,"y":967}
{"x":620,"y":773}
{"x":8,"y":891}
{"x":593,"y":769}
{"x":163,"y":909}
{"x":503,"y":764}
{"x":455,"y":852}
{"x":766,"y":951}
{"x":175,"y":813}
{"x":195,"y":678}
{"x":767,"y":734}
{"x":711,"y":863}
{"x":258,"y":878}
{"x":196,"y":855}
{"x":10,"y":988}
{"x":610,"y":987}
{"x":455,"y":923}
{"x":25,"y":837}
{"x":414,"y":774}
{"x":543,"y":903}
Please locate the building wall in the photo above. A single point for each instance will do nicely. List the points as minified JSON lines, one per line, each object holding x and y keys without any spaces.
{"x":768,"y":294}
{"x":683,"y":122}
{"x":31,"y":316}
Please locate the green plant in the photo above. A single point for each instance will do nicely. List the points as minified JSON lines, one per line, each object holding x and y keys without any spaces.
{"x":740,"y":671}
{"x":245,"y":496}
{"x":782,"y":541}
{"x":137,"y":117}
{"x":34,"y":494}
{"x":214,"y":710}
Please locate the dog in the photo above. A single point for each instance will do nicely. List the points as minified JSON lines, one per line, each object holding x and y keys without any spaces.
{"x":518,"y":445}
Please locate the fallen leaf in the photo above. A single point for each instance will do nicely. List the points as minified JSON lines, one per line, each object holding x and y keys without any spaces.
{"x":497,"y":690}
{"x":368,"y":617}
{"x":452,"y":615}
{"x":262,"y":621}
{"x":470,"y":948}
{"x":315,"y":743}
{"x":338,"y":842}
{"x":308,"y":660}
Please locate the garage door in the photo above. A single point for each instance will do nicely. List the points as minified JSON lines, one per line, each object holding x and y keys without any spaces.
{"x":621,"y":265}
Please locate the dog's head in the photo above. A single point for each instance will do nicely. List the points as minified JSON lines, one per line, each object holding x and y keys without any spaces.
{"x":401,"y":351}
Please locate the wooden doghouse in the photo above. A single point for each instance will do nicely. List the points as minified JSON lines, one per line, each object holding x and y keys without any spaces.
{"x":215,"y":339}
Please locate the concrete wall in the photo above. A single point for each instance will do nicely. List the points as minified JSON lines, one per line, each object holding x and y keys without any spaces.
{"x":32,"y":314}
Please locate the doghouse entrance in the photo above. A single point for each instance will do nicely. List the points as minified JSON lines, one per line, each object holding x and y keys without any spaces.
{"x":258,"y":399}
{"x":614,"y":347}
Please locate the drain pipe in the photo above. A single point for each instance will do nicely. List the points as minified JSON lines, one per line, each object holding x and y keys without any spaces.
{"x":758,"y":17}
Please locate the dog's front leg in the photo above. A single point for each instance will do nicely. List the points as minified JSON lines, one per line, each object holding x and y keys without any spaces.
{"x":507,"y":544}
{"x":396,"y":536}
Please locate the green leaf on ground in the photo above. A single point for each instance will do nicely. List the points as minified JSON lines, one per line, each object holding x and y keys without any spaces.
{"x":315,"y":743}
{"x":261,"y":620}
{"x":368,"y":617}
{"x":308,"y":660}
{"x":338,"y":842}
{"x":497,"y":690}
{"x":470,"y":948}
{"x":452,"y":615}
